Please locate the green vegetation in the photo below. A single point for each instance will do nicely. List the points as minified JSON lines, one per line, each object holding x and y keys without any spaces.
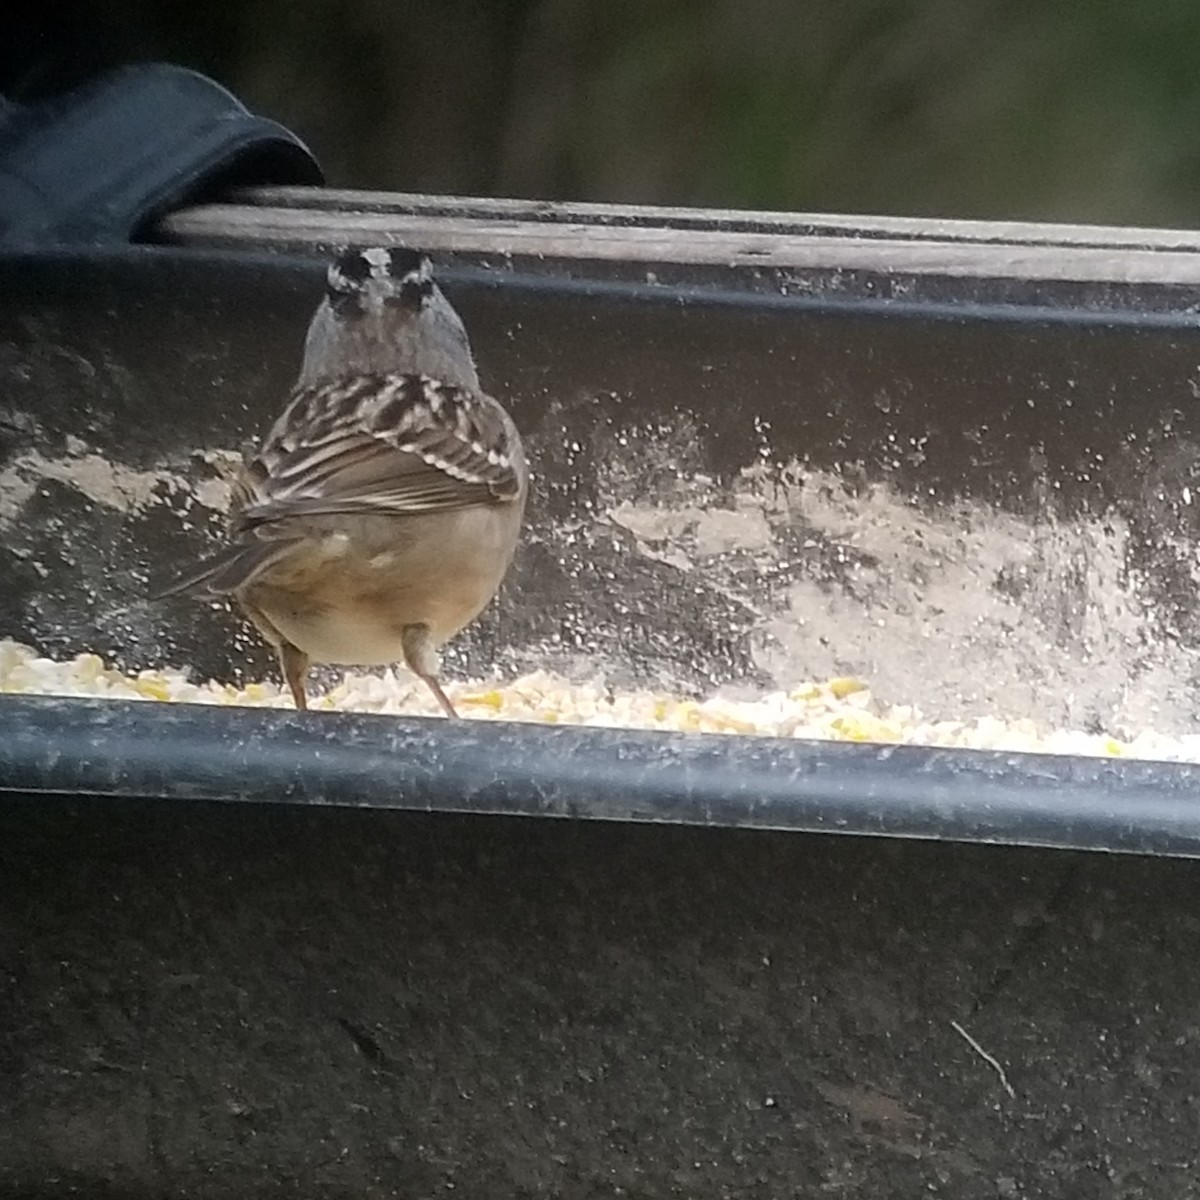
{"x":1070,"y":110}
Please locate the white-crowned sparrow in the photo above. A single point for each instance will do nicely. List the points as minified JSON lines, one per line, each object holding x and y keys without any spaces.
{"x":381,"y":512}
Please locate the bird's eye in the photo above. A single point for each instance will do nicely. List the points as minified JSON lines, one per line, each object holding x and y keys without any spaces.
{"x":402,"y":261}
{"x":347,"y":305}
{"x":411,"y":293}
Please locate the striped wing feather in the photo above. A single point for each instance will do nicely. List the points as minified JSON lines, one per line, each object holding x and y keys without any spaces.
{"x":398,"y":444}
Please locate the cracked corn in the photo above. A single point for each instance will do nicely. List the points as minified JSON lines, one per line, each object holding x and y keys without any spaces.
{"x":840,"y":709}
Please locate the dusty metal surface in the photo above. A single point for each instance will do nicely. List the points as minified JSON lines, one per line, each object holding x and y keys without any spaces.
{"x":977,"y":516}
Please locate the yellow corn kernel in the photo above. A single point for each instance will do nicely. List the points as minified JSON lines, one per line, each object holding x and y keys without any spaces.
{"x":864,"y":727}
{"x":843,"y":686}
{"x":490,"y":699}
{"x":89,"y":667}
{"x":152,"y":688}
{"x":728,"y":723}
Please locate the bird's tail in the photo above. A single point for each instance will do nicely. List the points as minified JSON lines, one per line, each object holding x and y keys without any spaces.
{"x":224,"y":573}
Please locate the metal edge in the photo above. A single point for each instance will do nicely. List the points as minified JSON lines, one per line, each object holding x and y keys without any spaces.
{"x":182,"y":752}
{"x":458,"y":270}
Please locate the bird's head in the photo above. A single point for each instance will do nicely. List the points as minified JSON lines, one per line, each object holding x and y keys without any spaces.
{"x":383,"y":312}
{"x":366,"y":282}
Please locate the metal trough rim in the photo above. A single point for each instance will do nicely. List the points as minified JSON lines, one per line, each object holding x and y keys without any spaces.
{"x":295,"y":217}
{"x":189,"y":752}
{"x":960,"y":270}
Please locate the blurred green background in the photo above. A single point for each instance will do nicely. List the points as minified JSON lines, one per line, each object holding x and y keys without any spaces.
{"x":1076,"y":110}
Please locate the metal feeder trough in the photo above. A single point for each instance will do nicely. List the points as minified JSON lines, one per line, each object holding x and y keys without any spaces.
{"x":957,"y":459}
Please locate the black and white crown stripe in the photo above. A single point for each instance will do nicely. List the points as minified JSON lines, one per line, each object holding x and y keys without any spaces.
{"x":352,"y":271}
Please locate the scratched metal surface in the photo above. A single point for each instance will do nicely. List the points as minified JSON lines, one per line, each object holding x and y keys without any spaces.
{"x":977,"y":513}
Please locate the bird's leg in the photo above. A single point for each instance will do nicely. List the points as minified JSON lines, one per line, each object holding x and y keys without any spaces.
{"x":295,"y":666}
{"x":292,"y":662}
{"x":422,"y":660}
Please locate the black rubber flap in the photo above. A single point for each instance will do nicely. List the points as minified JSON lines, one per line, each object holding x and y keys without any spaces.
{"x":95,"y":164}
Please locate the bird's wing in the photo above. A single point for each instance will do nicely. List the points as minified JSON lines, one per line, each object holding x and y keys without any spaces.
{"x":395,"y":445}
{"x":392,"y":444}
